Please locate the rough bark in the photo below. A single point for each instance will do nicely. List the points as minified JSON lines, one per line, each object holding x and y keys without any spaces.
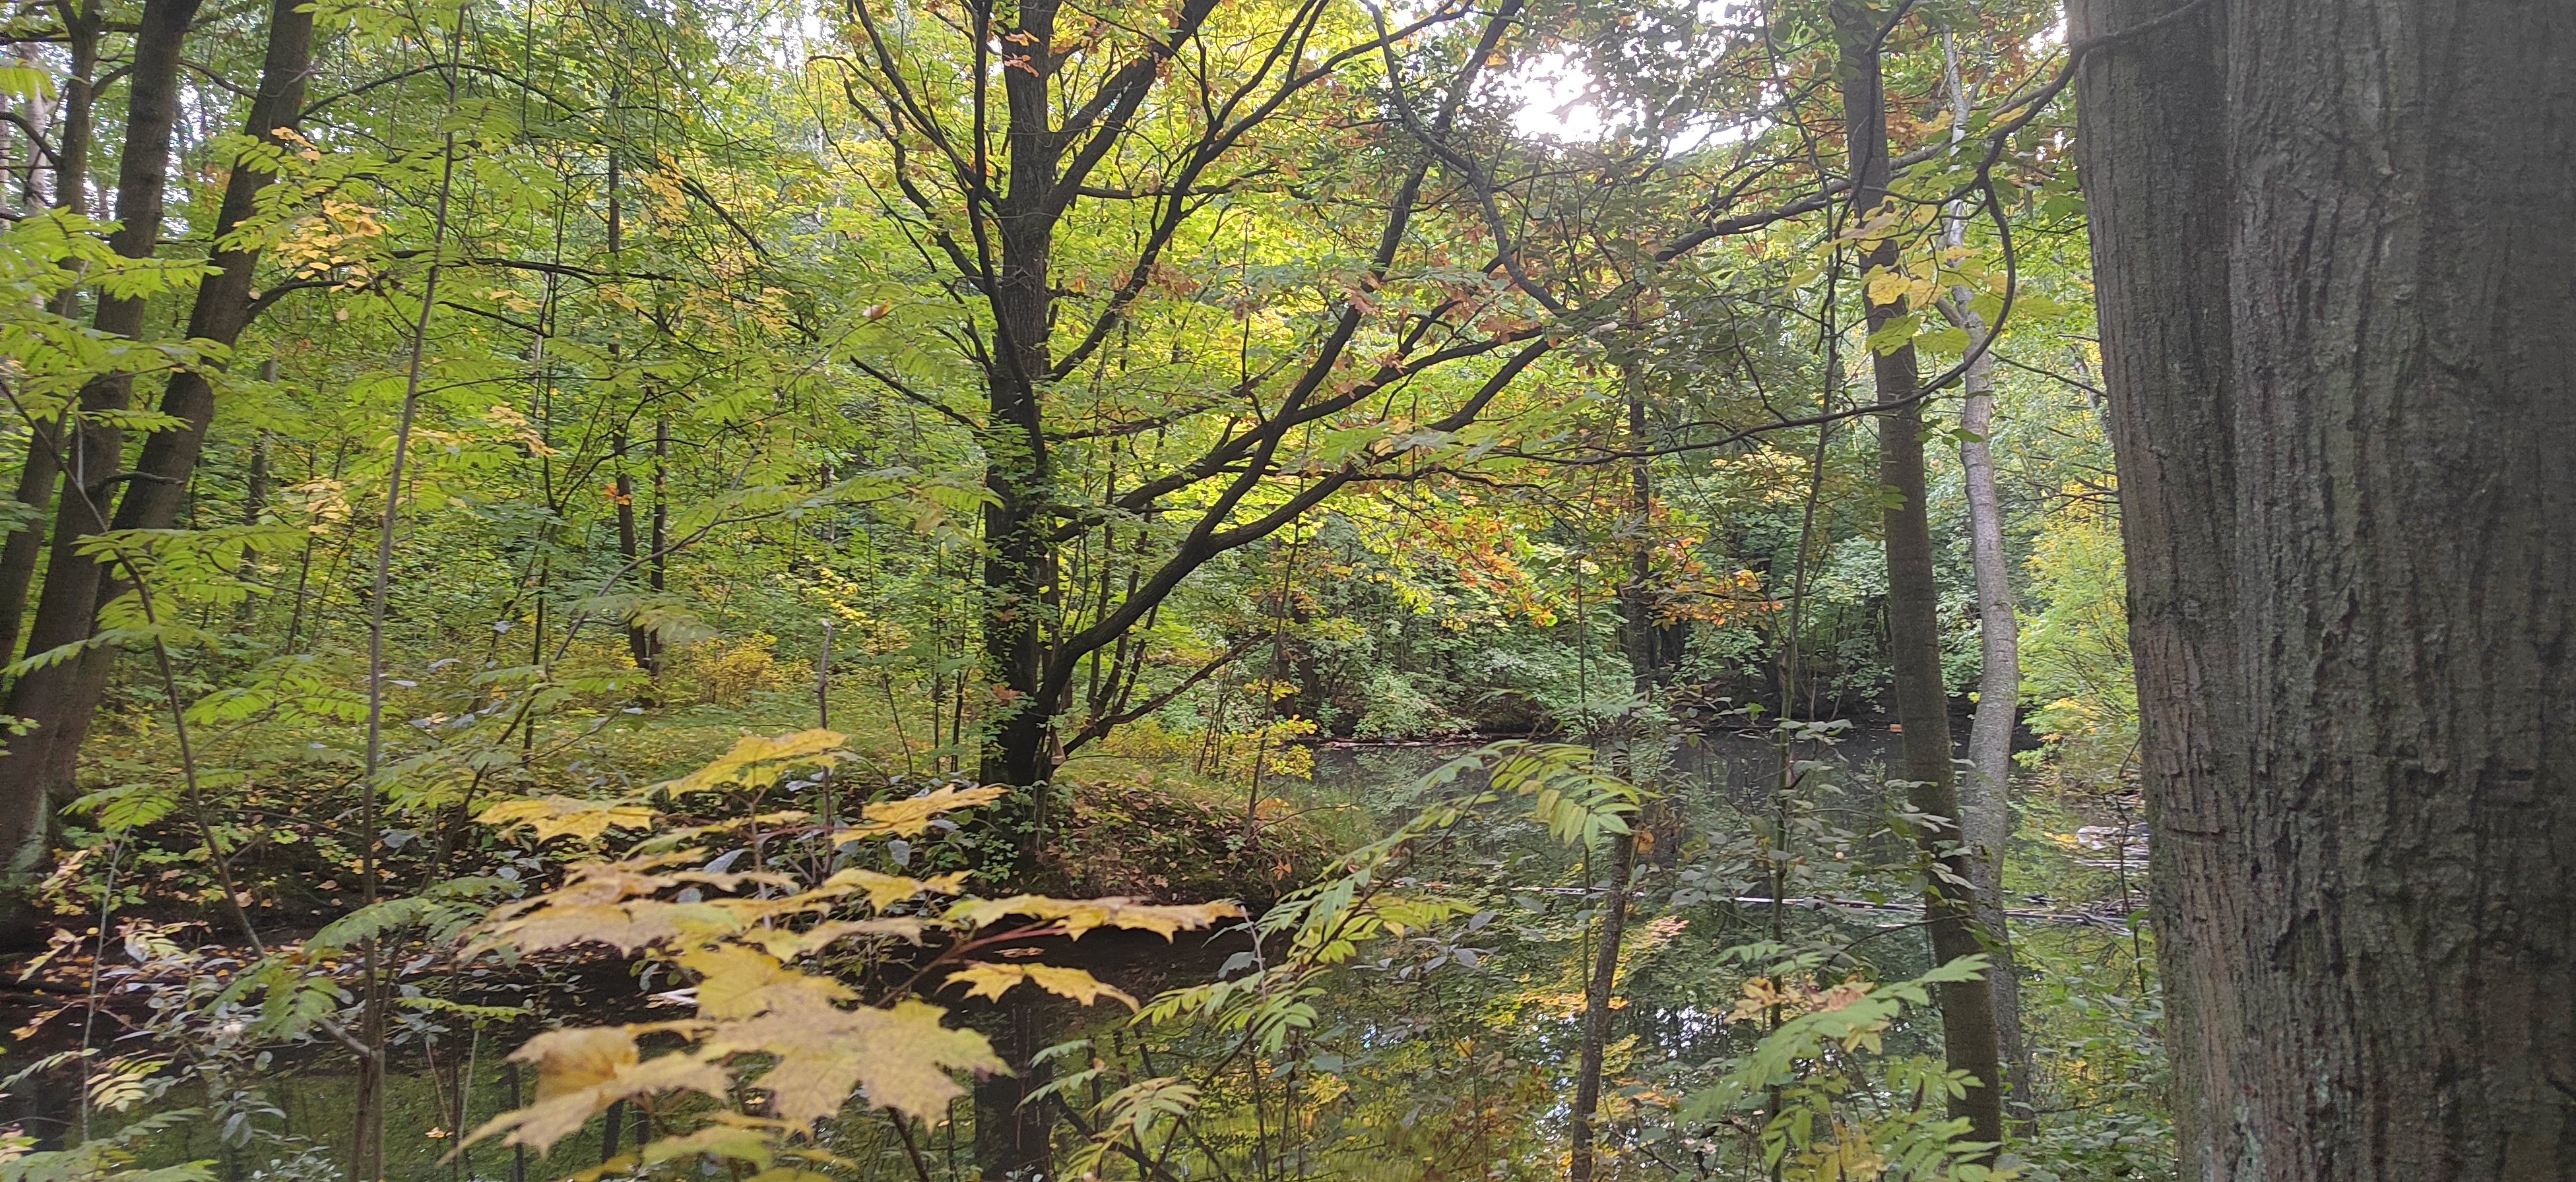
{"x":37,"y":771}
{"x":2333,"y":244}
{"x":1913,"y":601}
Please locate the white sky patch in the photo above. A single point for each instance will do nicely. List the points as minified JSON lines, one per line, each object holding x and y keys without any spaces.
{"x":1554,"y":96}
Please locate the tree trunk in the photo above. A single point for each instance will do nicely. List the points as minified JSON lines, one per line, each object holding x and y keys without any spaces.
{"x":43,"y":472}
{"x":1019,"y":557}
{"x":2333,"y":243}
{"x":1913,"y":601}
{"x":1637,"y":637}
{"x":1596,"y":1007}
{"x":1985,"y":798}
{"x":37,"y":771}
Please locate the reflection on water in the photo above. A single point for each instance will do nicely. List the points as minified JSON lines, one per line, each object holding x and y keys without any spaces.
{"x":1739,"y":765}
{"x":287,"y":1117}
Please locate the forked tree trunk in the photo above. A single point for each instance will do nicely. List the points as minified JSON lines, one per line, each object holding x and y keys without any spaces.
{"x":2333,"y":243}
{"x":1913,"y":601}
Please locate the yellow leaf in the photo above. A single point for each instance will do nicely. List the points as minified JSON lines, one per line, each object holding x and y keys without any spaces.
{"x":596,"y":905}
{"x":786,"y":944}
{"x":904,"y":818}
{"x":1885,"y":285}
{"x":755,"y":758}
{"x":555,"y":816}
{"x":994,"y":980}
{"x":581,"y":1071}
{"x":1076,"y":916}
{"x":747,"y":1145}
{"x":984,"y":979}
{"x":900,"y":1057}
{"x":884,"y":889}
{"x":739,"y":982}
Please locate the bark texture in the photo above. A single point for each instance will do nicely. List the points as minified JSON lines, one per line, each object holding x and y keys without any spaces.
{"x":2335,"y":246}
{"x":1969,"y":1037}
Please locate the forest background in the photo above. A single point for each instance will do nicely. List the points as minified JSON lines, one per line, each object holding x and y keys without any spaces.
{"x":446,"y":431}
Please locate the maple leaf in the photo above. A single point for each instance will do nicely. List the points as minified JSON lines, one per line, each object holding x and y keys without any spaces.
{"x":754,"y":759}
{"x":739,"y":982}
{"x":787,"y":944}
{"x":883,"y":889}
{"x":907,"y":817}
{"x":900,"y":1057}
{"x":747,"y":1142}
{"x":1077,"y":916}
{"x":597,"y":904}
{"x":984,"y":979}
{"x":556,"y":816}
{"x":580,"y":1072}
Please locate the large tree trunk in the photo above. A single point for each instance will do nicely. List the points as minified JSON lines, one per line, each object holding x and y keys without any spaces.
{"x":1913,"y":603}
{"x":2343,"y":432}
{"x":36,"y":773}
{"x":1018,"y":553}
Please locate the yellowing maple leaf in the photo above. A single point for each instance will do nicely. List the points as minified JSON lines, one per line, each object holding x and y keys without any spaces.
{"x":556,"y":816}
{"x":754,"y":758}
{"x":909,"y":816}
{"x":597,"y":905}
{"x":787,"y":944}
{"x":580,"y":1072}
{"x":900,"y":1057}
{"x":1076,"y":916}
{"x":739,"y":982}
{"x":884,"y":889}
{"x":983,"y":979}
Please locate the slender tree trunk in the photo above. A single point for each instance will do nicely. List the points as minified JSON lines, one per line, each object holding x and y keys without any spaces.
{"x":37,"y":771}
{"x":1913,"y":600}
{"x":1637,"y":637}
{"x":1985,"y":798}
{"x":2333,"y":243}
{"x":1597,"y":991}
{"x":255,"y":498}
{"x":43,"y":472}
